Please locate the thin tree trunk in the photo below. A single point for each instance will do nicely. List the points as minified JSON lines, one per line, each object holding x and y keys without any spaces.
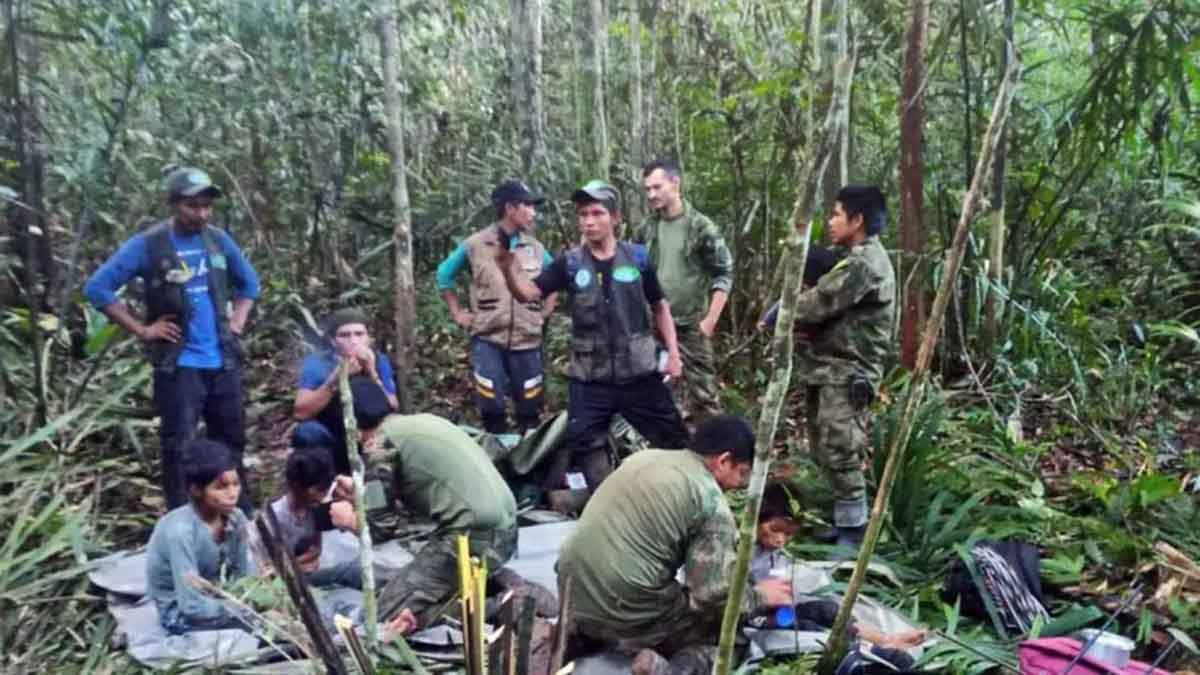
{"x":843,"y":49}
{"x":592,"y":32}
{"x":991,"y":324}
{"x":28,"y":220}
{"x":912,"y":184}
{"x":920,"y":376}
{"x":403,"y":284}
{"x":637,"y":130}
{"x":525,"y":42}
{"x":783,"y":347}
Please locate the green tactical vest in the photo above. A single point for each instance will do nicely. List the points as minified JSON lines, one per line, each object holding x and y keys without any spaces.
{"x":612,"y":340}
{"x":163,"y":297}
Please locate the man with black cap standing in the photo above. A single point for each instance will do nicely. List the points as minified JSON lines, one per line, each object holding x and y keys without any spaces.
{"x":317,"y":406}
{"x":199,"y":290}
{"x":506,"y":334}
{"x":614,"y":358}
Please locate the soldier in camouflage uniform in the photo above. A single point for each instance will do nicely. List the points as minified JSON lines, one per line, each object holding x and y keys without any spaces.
{"x":440,"y":473}
{"x":660,"y":510}
{"x":696,"y":272}
{"x":847,"y":318}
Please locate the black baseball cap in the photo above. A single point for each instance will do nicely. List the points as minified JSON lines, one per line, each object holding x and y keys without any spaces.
{"x":515,"y":191}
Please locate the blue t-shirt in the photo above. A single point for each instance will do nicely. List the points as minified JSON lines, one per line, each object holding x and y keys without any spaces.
{"x":317,"y":368}
{"x":202,"y":348}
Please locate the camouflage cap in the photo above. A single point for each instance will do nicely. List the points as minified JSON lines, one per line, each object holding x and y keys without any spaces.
{"x":598,"y":191}
{"x":190,"y":182}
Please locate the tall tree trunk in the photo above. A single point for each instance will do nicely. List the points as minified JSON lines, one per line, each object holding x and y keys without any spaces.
{"x":28,"y":219}
{"x":912,"y":184}
{"x":525,"y":42}
{"x":991,"y":324}
{"x":637,"y":124}
{"x":842,"y":7}
{"x":783,"y":347}
{"x":592,"y":33}
{"x":832,"y":655}
{"x":650,"y":140}
{"x":403,"y":285}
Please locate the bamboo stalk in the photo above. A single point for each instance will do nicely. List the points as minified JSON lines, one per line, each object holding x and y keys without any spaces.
{"x":783,"y":347}
{"x":920,"y":375}
{"x":365,"y":553}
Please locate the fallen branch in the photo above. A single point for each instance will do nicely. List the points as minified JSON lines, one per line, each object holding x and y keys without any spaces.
{"x":206,"y":586}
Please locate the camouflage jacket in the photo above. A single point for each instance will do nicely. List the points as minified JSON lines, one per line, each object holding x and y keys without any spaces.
{"x":704,"y":264}
{"x":850,"y":314}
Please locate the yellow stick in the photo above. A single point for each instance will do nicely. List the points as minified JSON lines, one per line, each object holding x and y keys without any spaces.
{"x":465,"y":590}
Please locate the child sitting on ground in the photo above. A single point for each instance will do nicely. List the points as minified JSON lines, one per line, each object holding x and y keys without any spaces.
{"x":204,"y":538}
{"x":776,"y":526}
{"x":306,"y":511}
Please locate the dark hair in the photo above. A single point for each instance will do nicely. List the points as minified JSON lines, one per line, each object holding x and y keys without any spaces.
{"x":370,"y":402}
{"x":725,"y":433}
{"x":776,"y":503}
{"x":668,"y":166}
{"x":204,"y":460}
{"x":342,"y":317}
{"x":868,"y":201}
{"x":310,"y":467}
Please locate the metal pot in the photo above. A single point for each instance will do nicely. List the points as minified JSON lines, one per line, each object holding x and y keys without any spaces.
{"x":1110,"y":648}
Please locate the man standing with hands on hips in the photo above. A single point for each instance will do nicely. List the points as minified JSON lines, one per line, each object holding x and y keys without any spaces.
{"x":506,"y":333}
{"x":199,"y":290}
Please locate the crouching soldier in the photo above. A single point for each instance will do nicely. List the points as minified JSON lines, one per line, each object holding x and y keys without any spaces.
{"x":439,"y":473}
{"x":659,"y":511}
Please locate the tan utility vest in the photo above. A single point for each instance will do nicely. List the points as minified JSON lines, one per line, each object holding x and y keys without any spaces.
{"x":499,"y":317}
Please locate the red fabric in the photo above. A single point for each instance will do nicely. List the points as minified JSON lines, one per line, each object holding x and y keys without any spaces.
{"x":1050,"y":656}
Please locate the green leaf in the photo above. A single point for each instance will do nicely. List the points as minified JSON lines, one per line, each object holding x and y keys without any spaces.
{"x":1154,"y":487}
{"x":1184,"y":640}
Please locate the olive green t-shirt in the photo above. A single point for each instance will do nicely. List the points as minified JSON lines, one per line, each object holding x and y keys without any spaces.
{"x":441,"y":472}
{"x":638,"y":529}
{"x":686,"y":290}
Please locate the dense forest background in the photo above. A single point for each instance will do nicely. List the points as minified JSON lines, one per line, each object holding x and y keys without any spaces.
{"x":1065,"y":409}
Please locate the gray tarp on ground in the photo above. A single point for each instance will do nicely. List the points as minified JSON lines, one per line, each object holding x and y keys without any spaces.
{"x":123,"y":575}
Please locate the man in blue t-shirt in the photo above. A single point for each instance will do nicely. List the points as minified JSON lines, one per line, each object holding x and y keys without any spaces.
{"x":317,"y":406}
{"x":198,"y":290}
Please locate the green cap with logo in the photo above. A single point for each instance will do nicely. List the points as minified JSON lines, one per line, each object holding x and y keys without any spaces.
{"x":190,"y":182}
{"x":598,"y":191}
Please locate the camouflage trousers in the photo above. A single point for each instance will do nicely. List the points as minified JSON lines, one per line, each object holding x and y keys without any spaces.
{"x":838,"y":441}
{"x":698,"y":393}
{"x":687,"y":639}
{"x":430,"y":582}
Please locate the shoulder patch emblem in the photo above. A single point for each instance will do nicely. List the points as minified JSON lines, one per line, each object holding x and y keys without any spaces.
{"x":626,"y":273}
{"x":582,"y":278}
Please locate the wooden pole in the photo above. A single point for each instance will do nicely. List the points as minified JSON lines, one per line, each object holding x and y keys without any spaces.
{"x":920,"y":376}
{"x":783,"y":346}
